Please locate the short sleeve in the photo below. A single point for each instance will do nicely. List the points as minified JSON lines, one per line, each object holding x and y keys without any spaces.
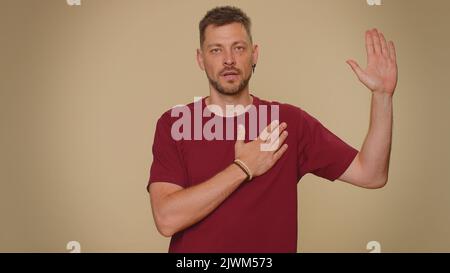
{"x":320,"y":152}
{"x":167,"y":165}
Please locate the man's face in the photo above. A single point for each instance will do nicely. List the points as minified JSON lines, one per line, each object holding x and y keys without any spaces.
{"x":227,"y":55}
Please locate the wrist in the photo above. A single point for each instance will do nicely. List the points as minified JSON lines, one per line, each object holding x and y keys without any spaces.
{"x":239,"y":174}
{"x":382,"y":99}
{"x":245,"y":169}
{"x":382,"y":95}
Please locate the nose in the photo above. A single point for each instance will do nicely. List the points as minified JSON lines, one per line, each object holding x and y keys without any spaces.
{"x":229,"y":59}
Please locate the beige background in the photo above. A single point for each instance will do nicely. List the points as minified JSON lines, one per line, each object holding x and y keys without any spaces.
{"x":82,"y":87}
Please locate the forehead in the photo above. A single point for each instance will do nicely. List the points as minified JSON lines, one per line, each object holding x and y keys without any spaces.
{"x":226,"y":34}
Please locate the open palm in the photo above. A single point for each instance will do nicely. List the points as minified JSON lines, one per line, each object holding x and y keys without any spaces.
{"x":380,"y":74}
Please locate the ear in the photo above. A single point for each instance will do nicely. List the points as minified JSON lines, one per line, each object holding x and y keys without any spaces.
{"x":255,"y":54}
{"x":200,"y":62}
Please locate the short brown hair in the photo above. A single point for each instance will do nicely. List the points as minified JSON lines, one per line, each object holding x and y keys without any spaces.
{"x":220,"y":16}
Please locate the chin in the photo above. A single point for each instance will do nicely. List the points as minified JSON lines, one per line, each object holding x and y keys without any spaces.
{"x":232,"y":92}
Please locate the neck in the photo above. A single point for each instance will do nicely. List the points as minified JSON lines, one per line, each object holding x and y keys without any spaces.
{"x":243,"y":98}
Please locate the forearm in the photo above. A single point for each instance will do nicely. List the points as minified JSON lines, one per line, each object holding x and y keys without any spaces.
{"x":375,"y":152}
{"x":186,"y":207}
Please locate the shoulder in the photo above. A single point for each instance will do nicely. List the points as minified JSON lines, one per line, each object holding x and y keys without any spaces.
{"x":299,"y":120}
{"x":288,"y":110}
{"x":178,"y":111}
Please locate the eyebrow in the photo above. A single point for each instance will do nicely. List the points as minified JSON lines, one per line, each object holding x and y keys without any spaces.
{"x":219,"y":45}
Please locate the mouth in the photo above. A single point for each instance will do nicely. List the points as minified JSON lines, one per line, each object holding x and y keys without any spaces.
{"x":230,"y":75}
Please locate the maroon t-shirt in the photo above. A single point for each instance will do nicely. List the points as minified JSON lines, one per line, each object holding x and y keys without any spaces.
{"x":260,"y":215}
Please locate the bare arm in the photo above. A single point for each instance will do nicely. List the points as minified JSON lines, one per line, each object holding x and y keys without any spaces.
{"x":370,"y":167}
{"x":176,"y":208}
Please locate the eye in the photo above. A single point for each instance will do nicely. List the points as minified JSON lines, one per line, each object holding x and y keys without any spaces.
{"x":215,"y":50}
{"x":240,"y":48}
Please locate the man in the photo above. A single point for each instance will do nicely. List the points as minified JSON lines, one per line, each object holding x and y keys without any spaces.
{"x":222,"y":195}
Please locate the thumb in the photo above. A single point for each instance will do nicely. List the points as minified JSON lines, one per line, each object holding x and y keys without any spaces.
{"x":240,"y":135}
{"x":355,"y":67}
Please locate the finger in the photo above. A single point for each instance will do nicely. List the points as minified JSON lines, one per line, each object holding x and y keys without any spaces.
{"x":240,"y":135}
{"x":277,"y":155}
{"x":355,"y":67}
{"x":384,"y":47}
{"x":376,"y":41}
{"x":266,"y":132}
{"x":369,"y":45}
{"x":273,"y":125}
{"x":276,"y":144}
{"x":275,"y":134}
{"x":392,"y":53}
{"x":274,"y":139}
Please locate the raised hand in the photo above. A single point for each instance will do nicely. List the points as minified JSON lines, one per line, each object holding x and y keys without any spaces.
{"x":380,"y":75}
